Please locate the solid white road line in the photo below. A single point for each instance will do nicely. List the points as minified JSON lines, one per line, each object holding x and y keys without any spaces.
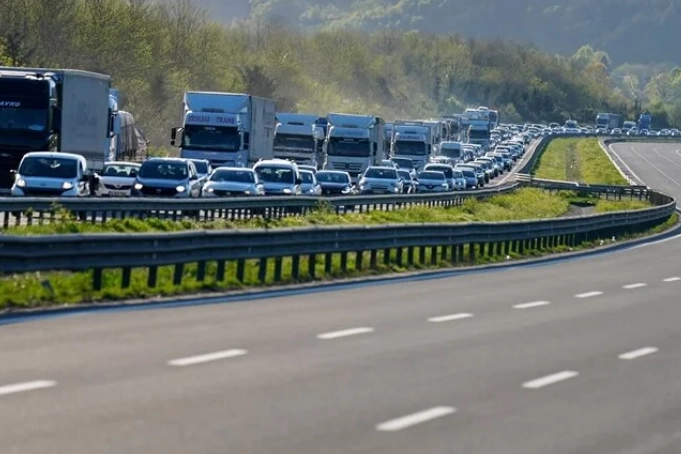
{"x":633,"y":286}
{"x":672,"y":279}
{"x":588,"y":294}
{"x":416,"y":418}
{"x":208,"y":357}
{"x":26,"y":386}
{"x":638,"y":353}
{"x":345,"y":333}
{"x":532,"y":304}
{"x":449,"y":318}
{"x":550,"y":379}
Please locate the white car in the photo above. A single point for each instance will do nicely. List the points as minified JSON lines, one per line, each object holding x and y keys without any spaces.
{"x":117,"y":178}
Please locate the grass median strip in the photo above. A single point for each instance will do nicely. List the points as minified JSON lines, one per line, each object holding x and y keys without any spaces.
{"x":577,"y":159}
{"x":60,"y":288}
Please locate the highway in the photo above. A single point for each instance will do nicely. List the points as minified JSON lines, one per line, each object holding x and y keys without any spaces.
{"x":576,"y":357}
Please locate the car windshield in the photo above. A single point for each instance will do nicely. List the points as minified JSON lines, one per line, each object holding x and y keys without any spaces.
{"x":333,"y":177}
{"x":404,"y":174}
{"x":428,"y":175}
{"x":201,"y":166}
{"x":164,"y":170}
{"x":49,"y":167}
{"x":237,"y":176}
{"x":120,"y":170}
{"x":276,"y":174}
{"x":444,"y":169}
{"x":307,"y":177}
{"x":468,"y":173}
{"x":380,"y":173}
{"x":404,"y":163}
{"x":458,"y":174}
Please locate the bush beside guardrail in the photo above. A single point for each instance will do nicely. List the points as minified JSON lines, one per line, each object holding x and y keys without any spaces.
{"x":455,"y":243}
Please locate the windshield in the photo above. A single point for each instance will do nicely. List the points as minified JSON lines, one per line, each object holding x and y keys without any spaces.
{"x":404,"y":174}
{"x":214,"y":138}
{"x":238,"y":176}
{"x":404,"y":163}
{"x":293,"y":141}
{"x":458,"y":174}
{"x":451,"y":152}
{"x":431,"y":175}
{"x":201,"y":166}
{"x":332,"y":177}
{"x":49,"y":167}
{"x":410,"y":148}
{"x":349,"y":148}
{"x":468,"y":173}
{"x":164,"y":170}
{"x":307,"y":177}
{"x":23,"y":119}
{"x":380,"y":173}
{"x":276,"y":174}
{"x":120,"y":170}
{"x":444,"y":169}
{"x":478,"y":134}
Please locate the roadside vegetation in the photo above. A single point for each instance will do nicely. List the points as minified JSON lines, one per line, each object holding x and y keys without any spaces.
{"x":65,"y":288}
{"x":577,"y":159}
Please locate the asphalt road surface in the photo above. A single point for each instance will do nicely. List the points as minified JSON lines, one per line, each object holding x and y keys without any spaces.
{"x":579,"y":357}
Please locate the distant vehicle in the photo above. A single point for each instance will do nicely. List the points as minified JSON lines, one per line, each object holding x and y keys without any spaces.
{"x":117,"y":178}
{"x":167,"y":177}
{"x":431,"y":181}
{"x":51,"y":174}
{"x":446,"y":169}
{"x":335,"y":182}
{"x":380,"y":180}
{"x":616,"y":132}
{"x":309,"y":184}
{"x":607,"y":121}
{"x":233,"y":182}
{"x":408,"y":181}
{"x":405,"y":164}
{"x":279,"y":176}
{"x":203,"y":169}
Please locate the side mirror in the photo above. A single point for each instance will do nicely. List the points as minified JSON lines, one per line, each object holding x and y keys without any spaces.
{"x":13,"y":172}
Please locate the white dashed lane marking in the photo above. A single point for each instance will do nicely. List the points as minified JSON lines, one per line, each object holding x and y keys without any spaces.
{"x":26,"y":386}
{"x":633,"y":286}
{"x":531,"y":305}
{"x":449,"y":318}
{"x":550,"y":379}
{"x":638,"y":353}
{"x":588,"y":294}
{"x":205,"y":358}
{"x":344,"y":333}
{"x":415,"y":418}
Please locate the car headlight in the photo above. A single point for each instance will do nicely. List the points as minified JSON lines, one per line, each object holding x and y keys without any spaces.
{"x":311,"y":191}
{"x":180,"y":188}
{"x":287,"y":191}
{"x":247,"y":192}
{"x":21,"y":183}
{"x":138,"y":186}
{"x":346,"y":190}
{"x":209,"y":189}
{"x":67,"y":185}
{"x":444,"y":185}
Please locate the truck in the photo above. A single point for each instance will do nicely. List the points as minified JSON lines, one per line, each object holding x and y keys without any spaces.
{"x":607,"y":121}
{"x":479,"y":132}
{"x":354,"y":142}
{"x":226,"y":129}
{"x":129,"y":142}
{"x":299,"y":137}
{"x":629,"y":125}
{"x":644,"y":121}
{"x":412,"y":141}
{"x":58,"y":110}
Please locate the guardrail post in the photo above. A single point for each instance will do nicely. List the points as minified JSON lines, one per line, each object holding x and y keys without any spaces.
{"x":507,"y":247}
{"x":386,"y":256}
{"x":433,"y":255}
{"x":127,"y":275}
{"x":262,"y":269}
{"x":312,"y":266}
{"x":453,"y":253}
{"x":201,"y":271}
{"x":422,"y":255}
{"x":471,"y":253}
{"x":277,"y":268}
{"x":344,"y":262}
{"x":178,"y":274}
{"x":240,"y":270}
{"x":220,"y":274}
{"x":400,"y":257}
{"x":97,"y":280}
{"x":152,"y":277}
{"x":295,"y":267}
{"x":410,"y":255}
{"x":359,"y":259}
{"x":328,"y":263}
{"x":373,"y":259}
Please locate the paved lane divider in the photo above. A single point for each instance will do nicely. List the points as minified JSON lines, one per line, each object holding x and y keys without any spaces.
{"x":588,"y":294}
{"x":639,"y":353}
{"x":633,"y":286}
{"x":26,"y":386}
{"x":449,"y":318}
{"x":344,"y":333}
{"x":414,"y":419}
{"x":550,"y":379}
{"x":672,"y":279}
{"x":206,"y":358}
{"x":531,"y":305}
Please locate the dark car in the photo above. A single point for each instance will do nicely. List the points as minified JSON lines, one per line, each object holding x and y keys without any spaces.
{"x":167,"y":177}
{"x":335,"y":182}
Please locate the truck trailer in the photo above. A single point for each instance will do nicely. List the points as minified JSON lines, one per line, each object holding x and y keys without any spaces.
{"x":59,"y":110}
{"x":607,"y":121}
{"x":227,"y":129}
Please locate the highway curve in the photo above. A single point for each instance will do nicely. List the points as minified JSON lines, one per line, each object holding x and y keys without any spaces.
{"x":578,"y":357}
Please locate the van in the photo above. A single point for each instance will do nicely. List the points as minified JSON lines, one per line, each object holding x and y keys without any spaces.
{"x":279,"y":176}
{"x":51,"y":174}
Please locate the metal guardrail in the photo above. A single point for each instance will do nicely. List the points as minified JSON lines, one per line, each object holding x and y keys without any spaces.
{"x":457,"y":243}
{"x":639,"y":192}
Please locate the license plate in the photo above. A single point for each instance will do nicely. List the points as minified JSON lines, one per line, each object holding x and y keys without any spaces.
{"x":118,"y":193}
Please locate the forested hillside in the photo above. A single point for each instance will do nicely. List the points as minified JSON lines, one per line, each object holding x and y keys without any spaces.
{"x":155,"y":51}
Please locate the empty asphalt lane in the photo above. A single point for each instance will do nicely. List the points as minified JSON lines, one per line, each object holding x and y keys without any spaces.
{"x":658,"y":165}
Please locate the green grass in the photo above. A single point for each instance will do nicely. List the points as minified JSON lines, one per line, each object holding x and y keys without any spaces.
{"x":63,"y":288}
{"x":581,"y":160}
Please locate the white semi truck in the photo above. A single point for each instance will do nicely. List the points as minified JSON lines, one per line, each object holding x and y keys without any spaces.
{"x":227,"y":129}
{"x":412,"y":141}
{"x":298,"y":137}
{"x":62,"y":110}
{"x":354,"y":142}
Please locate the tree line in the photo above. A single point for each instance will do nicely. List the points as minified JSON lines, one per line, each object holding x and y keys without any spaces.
{"x":156,"y":51}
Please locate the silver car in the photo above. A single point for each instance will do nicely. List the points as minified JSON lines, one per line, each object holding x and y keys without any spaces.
{"x":117,"y":178}
{"x":431,"y":181}
{"x":232,"y":182}
{"x":380,"y":180}
{"x":309,"y":185}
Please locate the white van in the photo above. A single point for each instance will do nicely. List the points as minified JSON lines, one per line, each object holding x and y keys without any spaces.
{"x":51,"y":174}
{"x":452,"y":151}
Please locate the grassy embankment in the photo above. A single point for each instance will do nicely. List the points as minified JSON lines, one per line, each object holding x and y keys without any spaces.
{"x":36,"y":289}
{"x":580,"y":160}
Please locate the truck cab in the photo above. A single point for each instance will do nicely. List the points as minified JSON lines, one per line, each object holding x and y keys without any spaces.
{"x":411,"y":142}
{"x":354,"y":143}
{"x":51,"y":174}
{"x":298,"y":137}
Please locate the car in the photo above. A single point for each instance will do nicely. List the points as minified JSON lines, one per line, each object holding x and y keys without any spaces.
{"x":51,"y":174}
{"x":309,"y":184}
{"x":447,"y":169}
{"x":470,"y":176}
{"x":380,"y":180}
{"x":478,"y":171}
{"x":203,"y":169}
{"x":405,"y":164}
{"x":312,"y":169}
{"x":388,"y":163}
{"x":497,"y":164}
{"x":408,"y":181}
{"x":335,"y":182}
{"x":279,"y":176}
{"x":431,"y":181}
{"x":117,"y":178}
{"x":459,"y":180}
{"x":167,"y":177}
{"x":616,"y":132}
{"x":488,"y":167}
{"x":232,"y":182}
